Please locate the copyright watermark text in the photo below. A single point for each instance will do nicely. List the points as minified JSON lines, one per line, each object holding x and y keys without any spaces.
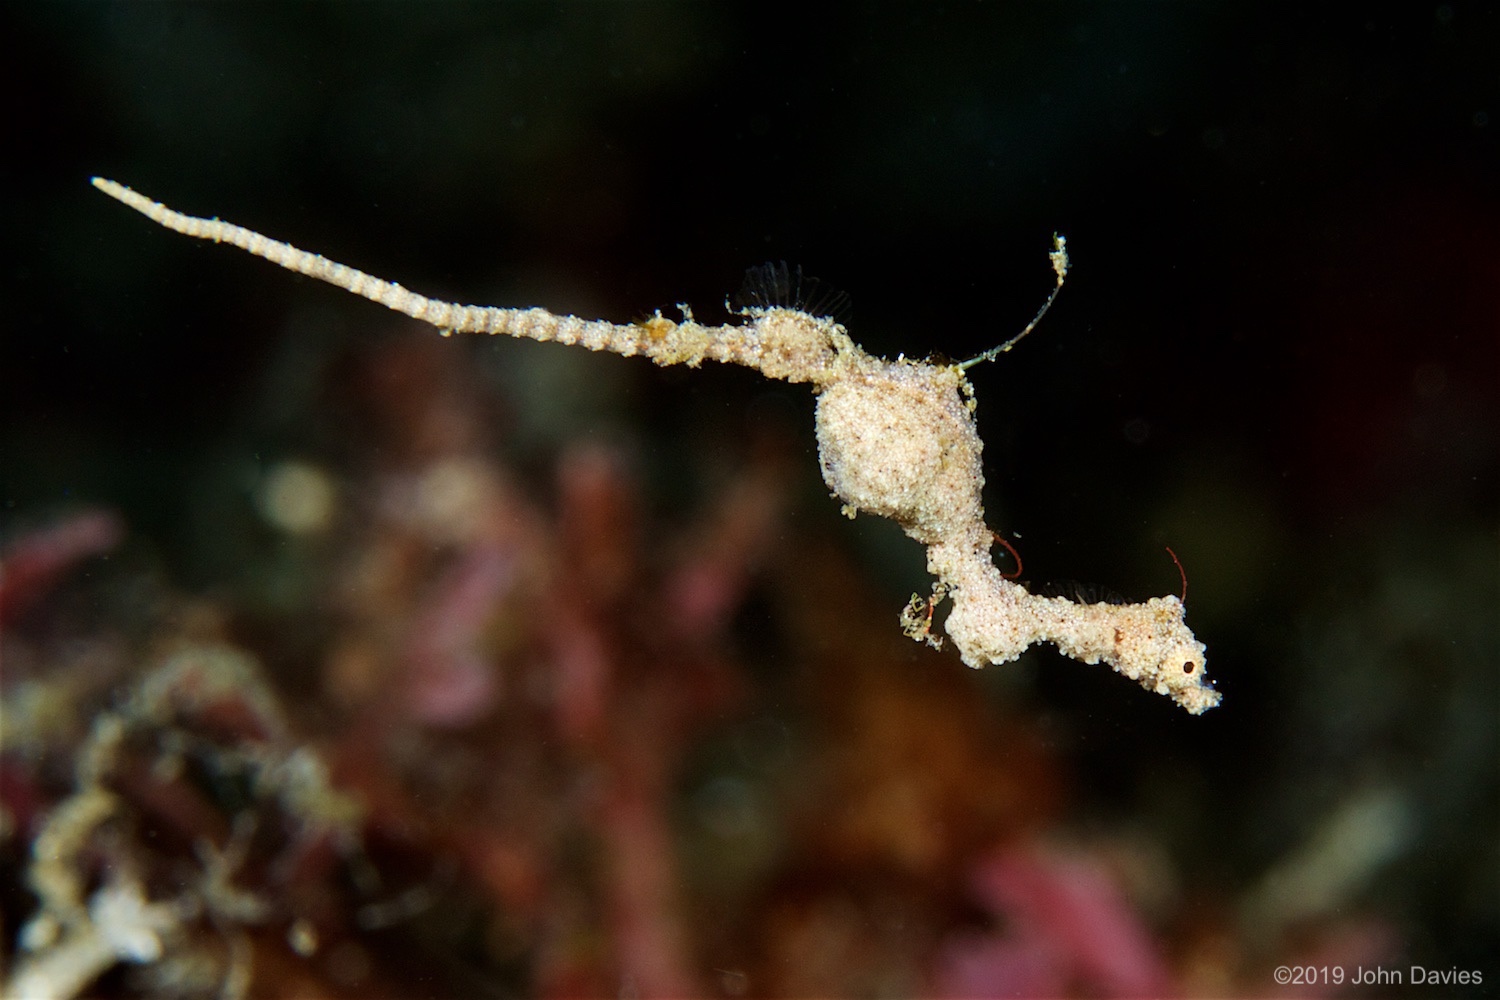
{"x":1375,"y":975}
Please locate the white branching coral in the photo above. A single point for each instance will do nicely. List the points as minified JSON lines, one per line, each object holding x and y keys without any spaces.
{"x":895,"y":438}
{"x":95,"y":836}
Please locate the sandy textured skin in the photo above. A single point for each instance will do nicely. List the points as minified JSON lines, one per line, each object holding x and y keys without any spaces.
{"x":896,"y":439}
{"x":899,"y":442}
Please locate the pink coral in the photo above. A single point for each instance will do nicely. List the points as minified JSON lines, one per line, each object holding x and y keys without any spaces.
{"x":35,"y":561}
{"x":1068,"y":929}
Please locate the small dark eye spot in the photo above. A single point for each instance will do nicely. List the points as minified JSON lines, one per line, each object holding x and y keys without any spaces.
{"x":1189,"y":667}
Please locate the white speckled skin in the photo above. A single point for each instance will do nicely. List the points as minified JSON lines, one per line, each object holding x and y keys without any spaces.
{"x":895,"y":438}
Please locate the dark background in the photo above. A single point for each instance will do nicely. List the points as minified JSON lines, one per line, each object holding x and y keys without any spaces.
{"x":1276,"y":351}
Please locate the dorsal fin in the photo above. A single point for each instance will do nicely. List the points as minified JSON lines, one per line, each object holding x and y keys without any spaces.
{"x":776,"y":285}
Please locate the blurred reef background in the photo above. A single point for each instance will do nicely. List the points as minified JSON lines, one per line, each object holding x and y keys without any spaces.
{"x":337,"y":659}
